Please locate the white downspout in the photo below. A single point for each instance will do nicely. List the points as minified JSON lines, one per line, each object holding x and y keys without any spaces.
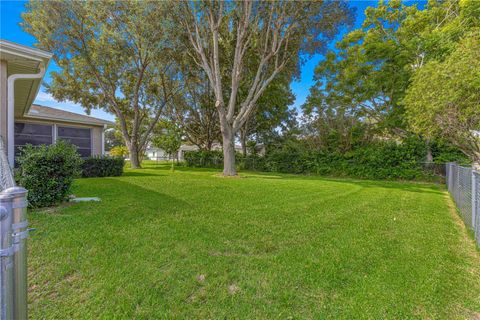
{"x":103,"y":139}
{"x":10,"y":108}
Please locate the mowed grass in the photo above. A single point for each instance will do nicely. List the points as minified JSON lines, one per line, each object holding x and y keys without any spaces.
{"x":191,"y":244}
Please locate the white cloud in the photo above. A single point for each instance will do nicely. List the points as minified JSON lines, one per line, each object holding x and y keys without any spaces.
{"x":45,"y":97}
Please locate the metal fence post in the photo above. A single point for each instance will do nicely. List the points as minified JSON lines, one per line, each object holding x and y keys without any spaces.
{"x":19,"y":234}
{"x":458,"y":185}
{"x":474,"y":201}
{"x":6,"y":257}
{"x":449,"y":176}
{"x":477,"y":206}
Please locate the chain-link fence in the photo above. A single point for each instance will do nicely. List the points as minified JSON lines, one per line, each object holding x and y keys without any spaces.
{"x":13,"y":243}
{"x":464,"y":185}
{"x":6,"y":176}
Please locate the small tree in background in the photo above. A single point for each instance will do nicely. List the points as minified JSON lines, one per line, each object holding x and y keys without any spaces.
{"x":119,"y":151}
{"x":113,"y":138}
{"x":169,"y":139}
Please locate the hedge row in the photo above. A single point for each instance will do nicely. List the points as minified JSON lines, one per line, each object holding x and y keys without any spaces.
{"x":47,"y":172}
{"x":102,"y":166}
{"x":204,"y":159}
{"x":381,"y":160}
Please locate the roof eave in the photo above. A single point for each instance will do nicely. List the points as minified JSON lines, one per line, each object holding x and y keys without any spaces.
{"x":24,"y":51}
{"x":41,"y":56}
{"x":90,"y":123}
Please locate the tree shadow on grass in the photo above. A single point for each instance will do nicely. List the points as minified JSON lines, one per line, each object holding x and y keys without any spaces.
{"x":140,"y":174}
{"x":166,"y":167}
{"x":404,"y":186}
{"x":410,"y":186}
{"x":123,"y":195}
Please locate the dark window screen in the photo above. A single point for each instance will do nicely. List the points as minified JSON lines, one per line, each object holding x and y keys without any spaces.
{"x":31,"y":133}
{"x":79,"y":137}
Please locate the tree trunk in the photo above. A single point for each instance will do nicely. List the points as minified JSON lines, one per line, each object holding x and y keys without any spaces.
{"x":429,"y":151}
{"x":135,"y":162}
{"x":476,"y":161}
{"x":228,"y":152}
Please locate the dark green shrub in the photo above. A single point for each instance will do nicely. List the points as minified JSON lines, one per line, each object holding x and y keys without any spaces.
{"x":204,"y":159}
{"x":376,"y":160}
{"x":102,"y":166}
{"x":47,"y":172}
{"x":443,"y":153}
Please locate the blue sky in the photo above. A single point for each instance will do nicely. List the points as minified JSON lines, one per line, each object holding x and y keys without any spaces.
{"x":10,"y":30}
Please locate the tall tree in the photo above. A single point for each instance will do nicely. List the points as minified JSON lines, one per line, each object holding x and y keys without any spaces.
{"x":371,"y":67}
{"x":194,"y":110}
{"x":332,"y":126}
{"x":114,"y":55}
{"x":444,"y":98}
{"x":270,"y":116}
{"x":113,"y":138}
{"x":276,"y":34}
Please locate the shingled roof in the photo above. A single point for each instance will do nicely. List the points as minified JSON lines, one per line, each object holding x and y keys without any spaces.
{"x":48,"y":113}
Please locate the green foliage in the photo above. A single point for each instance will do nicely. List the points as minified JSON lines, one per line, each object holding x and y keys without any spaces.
{"x":379,"y":160}
{"x":444,"y":97}
{"x":244,"y":46}
{"x":272,"y":116}
{"x":443,"y":152}
{"x":102,"y":166}
{"x":113,"y":139}
{"x":115,"y":55}
{"x":169,"y":138}
{"x":119,"y":151}
{"x":204,"y":159}
{"x":47,"y":172}
{"x":194,"y":108}
{"x":376,"y":160}
{"x":402,"y":64}
{"x":366,"y":77}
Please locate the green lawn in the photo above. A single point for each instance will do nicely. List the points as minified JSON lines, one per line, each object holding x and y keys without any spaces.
{"x":191,"y":244}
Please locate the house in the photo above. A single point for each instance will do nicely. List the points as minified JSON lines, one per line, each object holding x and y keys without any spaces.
{"x":153,"y":153}
{"x":159,"y":154}
{"x":22,"y":69}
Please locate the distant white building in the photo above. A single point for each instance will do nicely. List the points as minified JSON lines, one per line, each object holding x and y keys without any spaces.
{"x":160,"y":154}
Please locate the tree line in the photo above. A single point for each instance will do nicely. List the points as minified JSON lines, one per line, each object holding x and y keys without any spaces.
{"x":406,"y":71}
{"x":221,"y":71}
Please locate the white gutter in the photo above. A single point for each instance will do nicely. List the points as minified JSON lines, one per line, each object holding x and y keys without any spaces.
{"x":10,"y":108}
{"x":30,"y":116}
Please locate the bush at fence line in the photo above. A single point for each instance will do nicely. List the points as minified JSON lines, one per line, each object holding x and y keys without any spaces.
{"x":47,"y":172}
{"x":102,"y":166}
{"x":379,"y":160}
{"x":444,"y":153}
